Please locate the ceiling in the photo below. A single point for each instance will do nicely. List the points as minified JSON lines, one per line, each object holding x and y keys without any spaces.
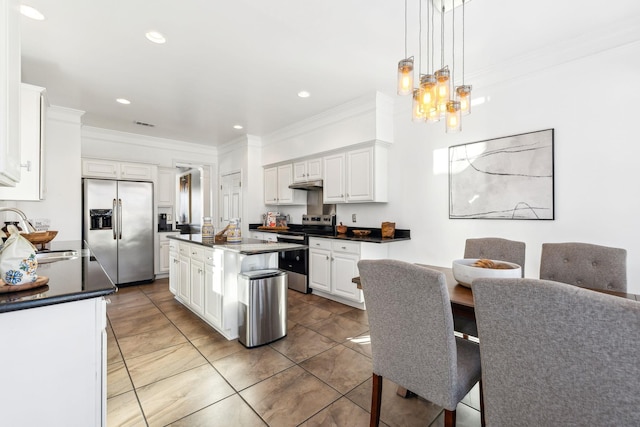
{"x":244,"y":61}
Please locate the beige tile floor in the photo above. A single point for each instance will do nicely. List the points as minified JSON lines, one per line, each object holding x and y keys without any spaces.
{"x":167,"y":367}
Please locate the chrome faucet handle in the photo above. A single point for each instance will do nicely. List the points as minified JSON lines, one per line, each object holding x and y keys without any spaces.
{"x":28,"y":227}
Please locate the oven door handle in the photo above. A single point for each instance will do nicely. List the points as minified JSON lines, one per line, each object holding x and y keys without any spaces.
{"x":283,"y":237}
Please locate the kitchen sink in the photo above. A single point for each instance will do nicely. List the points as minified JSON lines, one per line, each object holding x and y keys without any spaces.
{"x":53,"y":256}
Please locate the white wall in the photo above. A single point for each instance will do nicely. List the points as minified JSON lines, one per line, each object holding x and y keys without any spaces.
{"x":244,"y":155}
{"x":591,"y":104}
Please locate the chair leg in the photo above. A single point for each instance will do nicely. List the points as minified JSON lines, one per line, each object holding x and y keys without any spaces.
{"x":376,"y":400}
{"x":449,"y":418}
{"x":482,"y":422}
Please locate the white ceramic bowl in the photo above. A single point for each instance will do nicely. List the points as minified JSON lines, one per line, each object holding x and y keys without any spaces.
{"x":464,"y":272}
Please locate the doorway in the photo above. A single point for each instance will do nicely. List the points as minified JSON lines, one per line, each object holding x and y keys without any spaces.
{"x":192,"y":199}
{"x":230,"y":198}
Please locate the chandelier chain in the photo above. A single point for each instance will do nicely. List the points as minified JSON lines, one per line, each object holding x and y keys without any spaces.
{"x":420,"y":37}
{"x":433,"y":49}
{"x":463,"y":2}
{"x":405,"y":28}
{"x":442,"y":38}
{"x":453,"y":47}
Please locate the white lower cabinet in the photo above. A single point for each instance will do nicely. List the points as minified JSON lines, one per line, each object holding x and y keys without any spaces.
{"x":320,"y":264}
{"x":174,"y":267}
{"x":213,"y":286}
{"x":56,"y":361}
{"x":164,"y":252}
{"x":333,"y":263}
{"x":269,"y":236}
{"x":184,"y":271}
{"x":196,"y":280}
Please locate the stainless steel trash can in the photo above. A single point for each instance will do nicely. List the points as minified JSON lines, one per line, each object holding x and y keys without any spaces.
{"x":262,"y":307}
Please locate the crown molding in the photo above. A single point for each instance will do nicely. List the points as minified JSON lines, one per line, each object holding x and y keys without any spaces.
{"x":63,"y":114}
{"x":357,"y":107}
{"x":102,"y":134}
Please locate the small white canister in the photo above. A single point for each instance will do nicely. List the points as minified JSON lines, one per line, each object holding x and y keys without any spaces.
{"x":234,"y":235}
{"x":207,"y":228}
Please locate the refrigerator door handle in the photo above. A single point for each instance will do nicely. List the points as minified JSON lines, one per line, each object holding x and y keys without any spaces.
{"x":120,"y":219}
{"x":114,"y":224}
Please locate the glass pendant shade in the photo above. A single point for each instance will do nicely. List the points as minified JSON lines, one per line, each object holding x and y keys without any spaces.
{"x":405,"y":76}
{"x":428,"y":86}
{"x":453,"y":118}
{"x":442,"y":89}
{"x":417,"y":111}
{"x":463,"y":95}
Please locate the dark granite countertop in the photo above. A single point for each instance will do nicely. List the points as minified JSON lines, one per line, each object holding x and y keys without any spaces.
{"x":374,"y":237}
{"x":69,"y":280}
{"x":246,"y":246}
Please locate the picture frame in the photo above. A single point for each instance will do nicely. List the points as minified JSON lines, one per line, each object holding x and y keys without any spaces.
{"x":510,"y":177}
{"x":184,"y":205}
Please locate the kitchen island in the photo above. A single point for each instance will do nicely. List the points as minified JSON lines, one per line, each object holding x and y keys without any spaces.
{"x":203,"y":274}
{"x":54,"y":342}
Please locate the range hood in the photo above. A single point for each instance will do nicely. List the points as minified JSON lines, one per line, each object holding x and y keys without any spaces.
{"x":307,"y":185}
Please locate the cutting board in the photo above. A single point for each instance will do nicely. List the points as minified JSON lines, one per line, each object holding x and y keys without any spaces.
{"x":264,"y":227}
{"x":41,"y":281}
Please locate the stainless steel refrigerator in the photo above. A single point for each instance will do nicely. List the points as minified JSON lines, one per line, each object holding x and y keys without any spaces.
{"x":118,"y":226}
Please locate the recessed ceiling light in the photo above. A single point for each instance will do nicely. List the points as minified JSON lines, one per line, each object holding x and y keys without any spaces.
{"x":304,"y":94}
{"x":30,"y":12}
{"x":123,"y":101}
{"x":155,"y":37}
{"x":237,"y":127}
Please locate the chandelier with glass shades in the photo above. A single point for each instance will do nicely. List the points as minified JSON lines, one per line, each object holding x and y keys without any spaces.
{"x":433,"y":98}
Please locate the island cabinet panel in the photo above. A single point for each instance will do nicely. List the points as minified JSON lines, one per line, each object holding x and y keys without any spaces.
{"x":55,"y":365}
{"x":214,"y":287}
{"x":174,"y":267}
{"x":205,"y":280}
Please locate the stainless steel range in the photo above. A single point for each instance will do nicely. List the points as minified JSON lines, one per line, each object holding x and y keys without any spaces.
{"x":296,"y":263}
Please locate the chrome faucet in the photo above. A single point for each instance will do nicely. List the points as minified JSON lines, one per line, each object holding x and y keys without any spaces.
{"x":27,"y":225}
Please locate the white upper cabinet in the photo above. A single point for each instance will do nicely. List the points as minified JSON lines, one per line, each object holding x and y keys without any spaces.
{"x":166,"y":187}
{"x":276,"y":187}
{"x":358,"y":175}
{"x":32,"y":136}
{"x":334,"y":190}
{"x":100,"y":168}
{"x":9,"y":93}
{"x":97,"y":168}
{"x":307,"y":170}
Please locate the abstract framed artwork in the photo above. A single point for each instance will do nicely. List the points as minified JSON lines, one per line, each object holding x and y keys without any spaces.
{"x":503,"y":178}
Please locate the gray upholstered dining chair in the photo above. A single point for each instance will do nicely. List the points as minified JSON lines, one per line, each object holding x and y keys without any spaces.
{"x":412,"y":339}
{"x":557,"y":355}
{"x":492,"y":248}
{"x":496,"y":248}
{"x":585,"y":265}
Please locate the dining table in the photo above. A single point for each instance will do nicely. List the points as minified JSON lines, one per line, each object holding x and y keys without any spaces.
{"x":461,"y":298}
